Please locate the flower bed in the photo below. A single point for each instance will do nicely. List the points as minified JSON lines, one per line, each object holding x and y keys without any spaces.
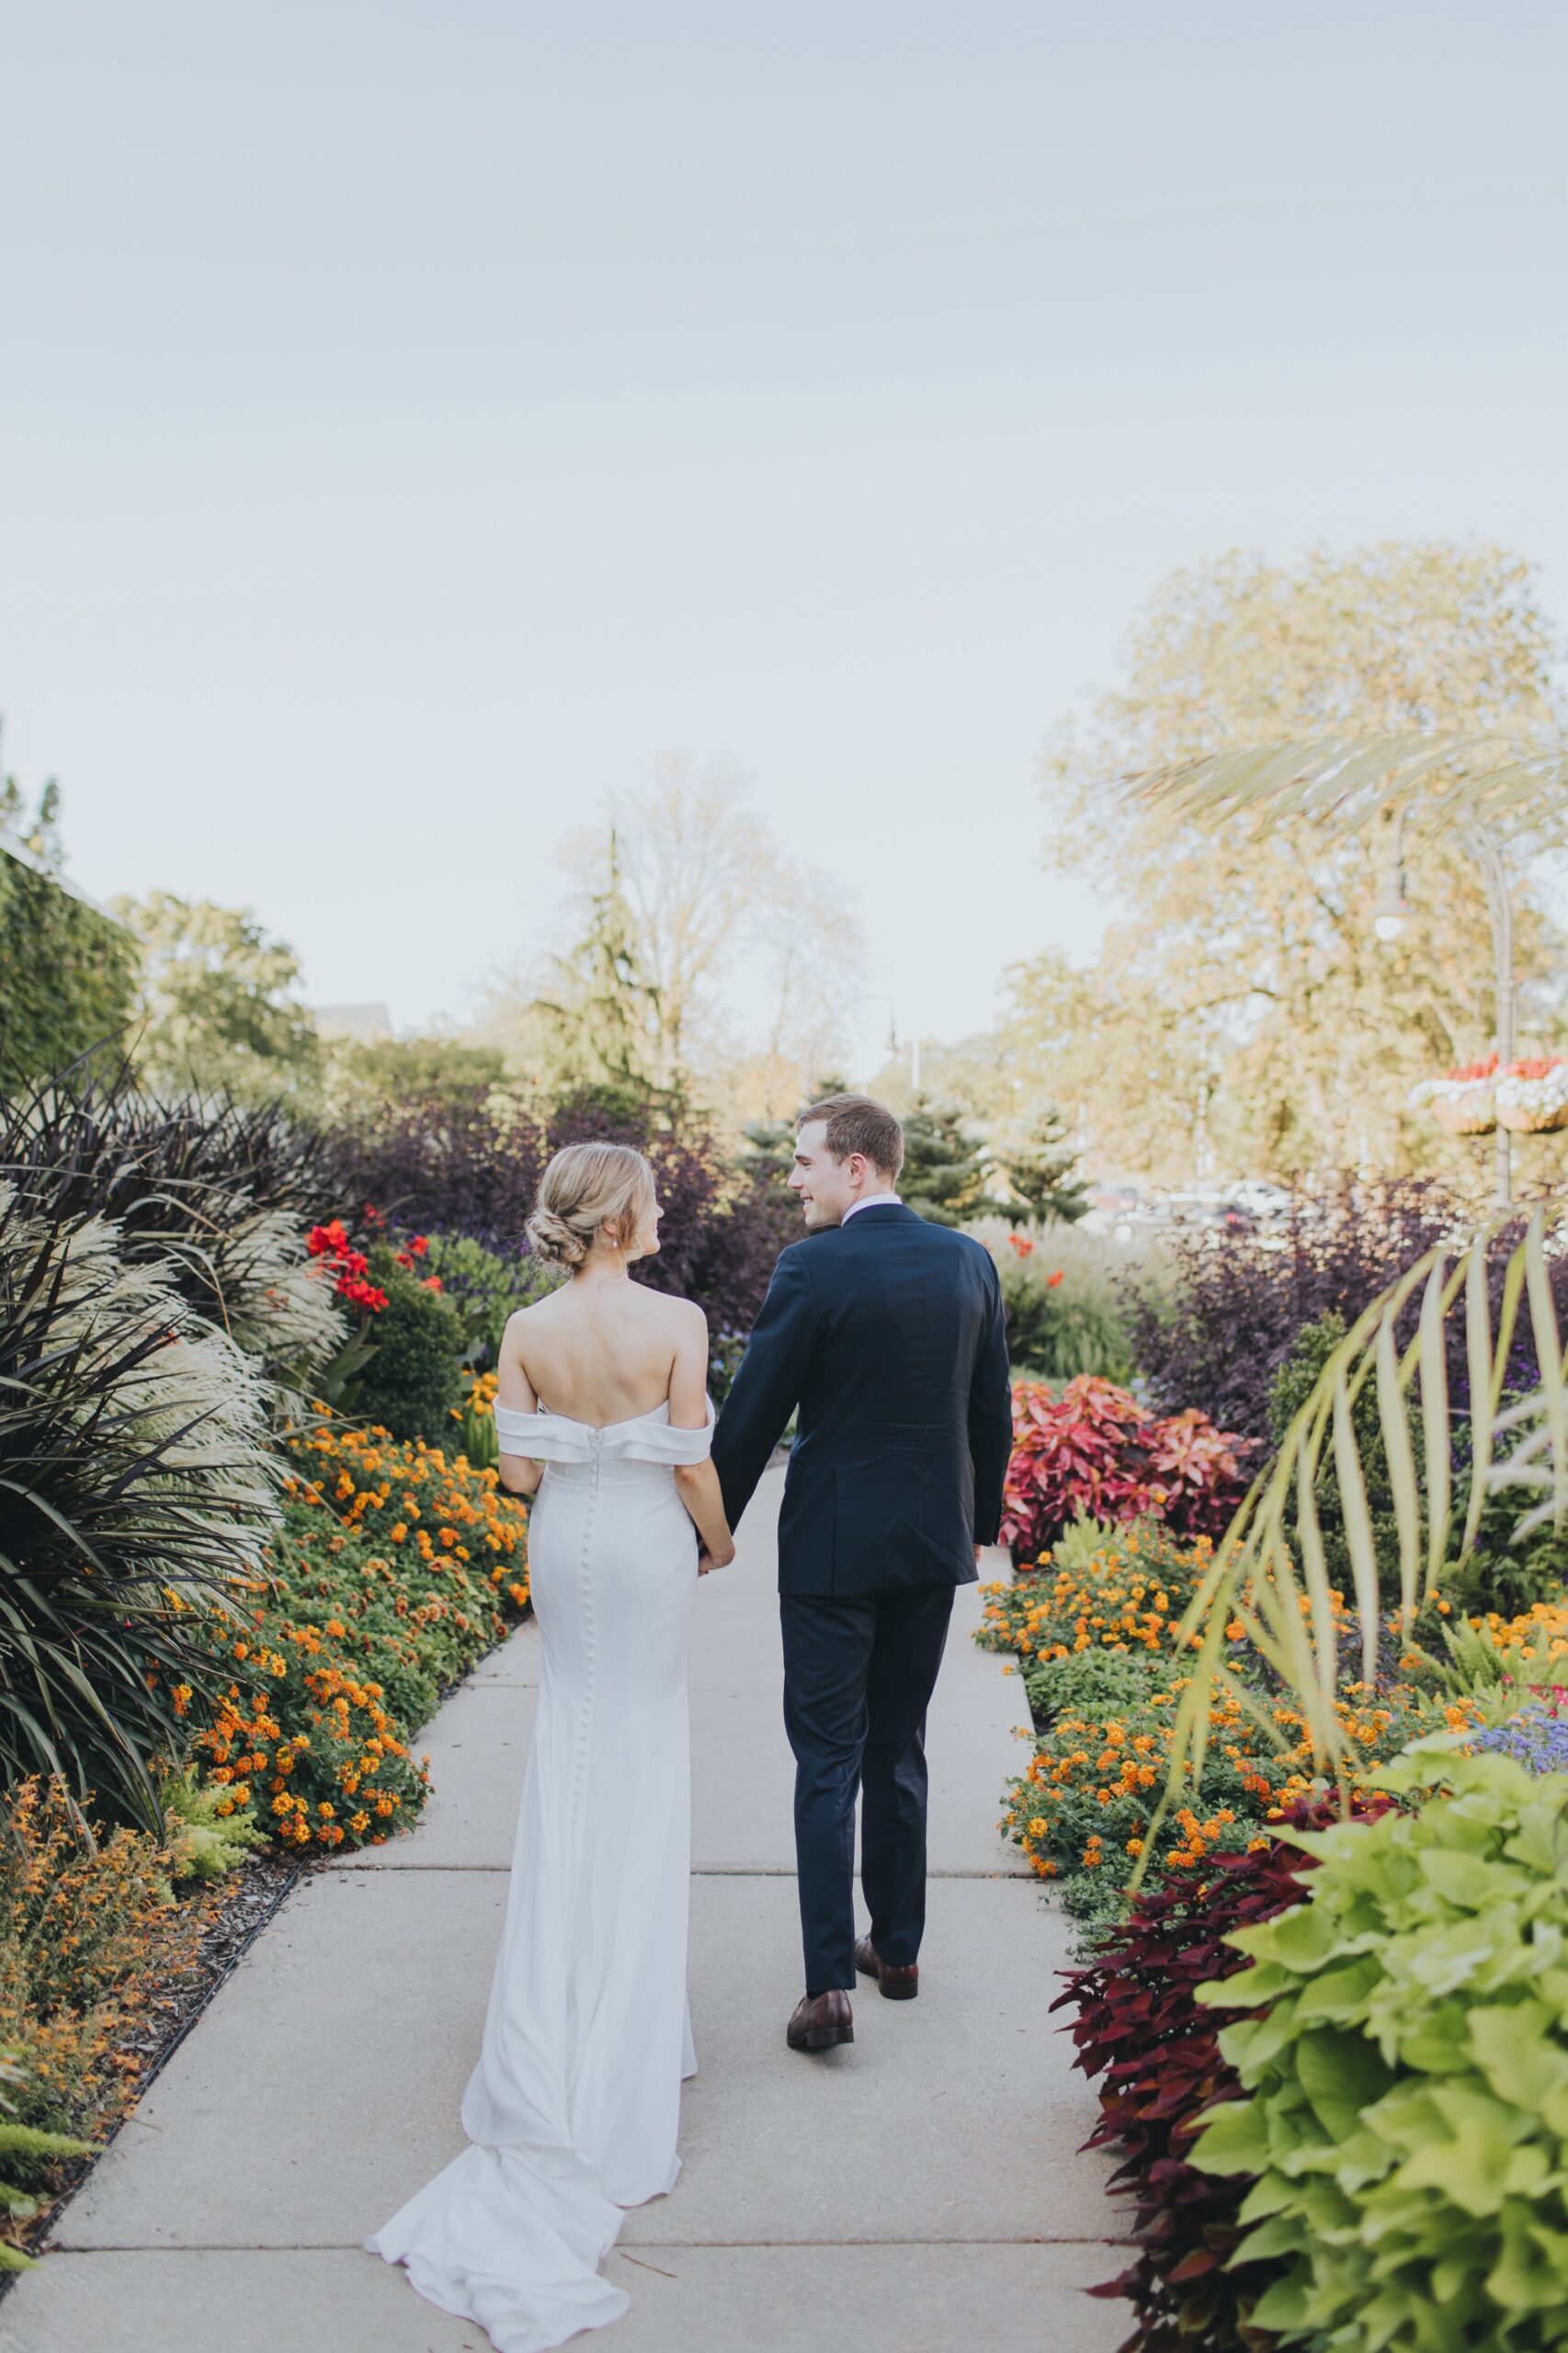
{"x":396,"y":1569}
{"x":1094,"y":1638}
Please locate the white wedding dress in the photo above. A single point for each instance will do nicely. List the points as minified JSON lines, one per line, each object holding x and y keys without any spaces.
{"x":572,"y":2108}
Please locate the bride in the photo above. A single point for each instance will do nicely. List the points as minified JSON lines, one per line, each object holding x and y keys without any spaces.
{"x":572,"y":2108}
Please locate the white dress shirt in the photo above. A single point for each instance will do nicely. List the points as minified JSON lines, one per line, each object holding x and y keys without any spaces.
{"x":871,"y":1202}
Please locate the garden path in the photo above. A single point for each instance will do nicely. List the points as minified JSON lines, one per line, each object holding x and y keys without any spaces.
{"x":918,"y":2191}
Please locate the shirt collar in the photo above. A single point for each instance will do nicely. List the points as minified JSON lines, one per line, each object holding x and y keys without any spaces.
{"x":872,"y":1201}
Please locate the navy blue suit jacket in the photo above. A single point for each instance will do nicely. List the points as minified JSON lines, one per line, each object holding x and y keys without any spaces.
{"x":887,"y":1333}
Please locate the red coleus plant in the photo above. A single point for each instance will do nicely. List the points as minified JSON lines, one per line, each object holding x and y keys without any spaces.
{"x":1093,"y":1448}
{"x":1137,"y":2026}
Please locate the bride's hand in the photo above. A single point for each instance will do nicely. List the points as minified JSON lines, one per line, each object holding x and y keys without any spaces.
{"x":707,"y":1560}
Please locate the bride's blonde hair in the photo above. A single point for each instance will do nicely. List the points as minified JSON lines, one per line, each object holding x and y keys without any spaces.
{"x":585,"y":1189}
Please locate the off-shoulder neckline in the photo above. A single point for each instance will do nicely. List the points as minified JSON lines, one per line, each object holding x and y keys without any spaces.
{"x":602,"y":1429}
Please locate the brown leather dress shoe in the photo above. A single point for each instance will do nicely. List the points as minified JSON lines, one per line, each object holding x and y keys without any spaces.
{"x":821,"y":2020}
{"x":898,"y":1983}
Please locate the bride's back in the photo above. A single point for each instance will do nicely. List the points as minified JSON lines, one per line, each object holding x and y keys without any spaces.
{"x":600,"y":1352}
{"x":603,"y":1349}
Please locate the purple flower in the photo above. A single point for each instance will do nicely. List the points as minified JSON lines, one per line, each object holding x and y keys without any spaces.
{"x":1535,"y":1738}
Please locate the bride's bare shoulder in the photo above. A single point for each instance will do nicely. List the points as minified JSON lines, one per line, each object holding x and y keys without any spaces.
{"x":678,"y":1315}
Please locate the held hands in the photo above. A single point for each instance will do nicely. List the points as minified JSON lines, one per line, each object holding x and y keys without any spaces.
{"x":719,"y":1560}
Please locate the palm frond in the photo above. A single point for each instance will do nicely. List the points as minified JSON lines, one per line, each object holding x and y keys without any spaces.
{"x":1517,"y":786}
{"x":1268,"y":1582}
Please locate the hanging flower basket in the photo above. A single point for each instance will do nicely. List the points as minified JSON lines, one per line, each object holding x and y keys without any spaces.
{"x":1471,"y":1111}
{"x":1532,"y":1096}
{"x":1463,"y":1100}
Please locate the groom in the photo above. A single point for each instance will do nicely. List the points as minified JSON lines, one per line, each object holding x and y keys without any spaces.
{"x":886,"y":1334}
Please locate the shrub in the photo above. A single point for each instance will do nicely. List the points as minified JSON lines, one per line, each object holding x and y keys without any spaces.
{"x":1408,"y":2118}
{"x":67,"y":972}
{"x":1500,"y":1575}
{"x":1138,"y":2027}
{"x":1095,"y":1450}
{"x":1218,"y":1333}
{"x":411,"y":1383}
{"x":134,"y":1487}
{"x":469,"y":1164}
{"x":1053,"y":1333}
{"x":483,"y":1288}
{"x":88,"y":1929}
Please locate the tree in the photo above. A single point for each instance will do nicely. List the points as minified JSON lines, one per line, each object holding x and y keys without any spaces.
{"x":1040,"y":1172}
{"x":717,"y":916}
{"x":944,"y":1173}
{"x":361,"y":1071}
{"x":67,"y":971}
{"x":601,"y":1023}
{"x":217,"y":1008}
{"x":1241,"y":1013}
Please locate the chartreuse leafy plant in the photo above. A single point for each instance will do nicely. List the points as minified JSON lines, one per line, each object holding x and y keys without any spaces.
{"x":1270,"y":1582}
{"x":1407,"y":2063}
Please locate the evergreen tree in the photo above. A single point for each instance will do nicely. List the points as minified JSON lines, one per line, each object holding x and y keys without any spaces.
{"x":772,"y":1141}
{"x":604,"y":1019}
{"x":1041,"y":1174}
{"x":944,"y":1173}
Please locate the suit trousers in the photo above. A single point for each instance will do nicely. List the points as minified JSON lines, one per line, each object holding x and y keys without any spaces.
{"x":858,"y":1674}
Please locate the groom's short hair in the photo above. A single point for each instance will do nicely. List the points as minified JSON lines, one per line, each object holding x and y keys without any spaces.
{"x":858,"y":1123}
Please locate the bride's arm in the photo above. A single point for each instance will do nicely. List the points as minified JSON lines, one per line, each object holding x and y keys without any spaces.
{"x":520,"y":1474}
{"x":698,"y":1481}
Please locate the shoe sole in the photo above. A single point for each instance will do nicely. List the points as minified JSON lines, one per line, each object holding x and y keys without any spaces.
{"x":821,"y":2038}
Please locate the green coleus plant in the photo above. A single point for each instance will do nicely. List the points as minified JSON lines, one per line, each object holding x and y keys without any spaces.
{"x":1407,"y":2063}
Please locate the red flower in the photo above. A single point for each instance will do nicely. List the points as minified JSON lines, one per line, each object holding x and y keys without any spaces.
{"x":1051,"y":1280}
{"x":360,"y":1294}
{"x":419,"y":1243}
{"x":1017,"y":1242}
{"x":431,"y":1282}
{"x":327,"y":1240}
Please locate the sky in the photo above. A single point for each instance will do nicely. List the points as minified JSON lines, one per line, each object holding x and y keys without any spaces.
{"x":417,"y":416}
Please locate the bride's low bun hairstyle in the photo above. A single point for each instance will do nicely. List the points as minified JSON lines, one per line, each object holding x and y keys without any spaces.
{"x":585,"y":1189}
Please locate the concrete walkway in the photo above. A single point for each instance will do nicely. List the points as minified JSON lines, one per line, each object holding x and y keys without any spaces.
{"x":916,"y":2192}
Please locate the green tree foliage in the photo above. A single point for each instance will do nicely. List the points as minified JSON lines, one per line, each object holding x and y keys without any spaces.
{"x":360,"y":1071}
{"x":600,"y":1025}
{"x":67,"y":972}
{"x":1042,"y":1174}
{"x":1240,"y":997}
{"x":218,"y":1008}
{"x":944,"y":1172}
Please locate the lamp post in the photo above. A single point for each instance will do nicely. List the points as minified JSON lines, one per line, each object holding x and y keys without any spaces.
{"x":1392,"y":912}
